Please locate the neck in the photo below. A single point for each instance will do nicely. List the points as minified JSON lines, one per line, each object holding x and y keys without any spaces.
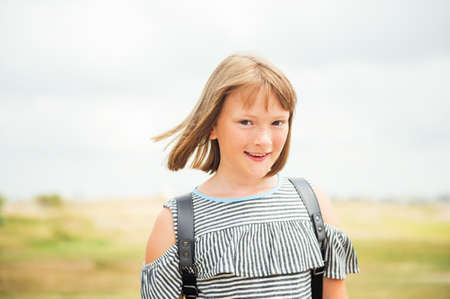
{"x":223,"y":184}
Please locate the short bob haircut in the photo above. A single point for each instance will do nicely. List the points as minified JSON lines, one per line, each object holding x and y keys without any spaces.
{"x":235,"y":72}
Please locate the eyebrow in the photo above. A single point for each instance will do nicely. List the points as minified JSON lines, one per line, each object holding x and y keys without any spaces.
{"x":274,"y":117}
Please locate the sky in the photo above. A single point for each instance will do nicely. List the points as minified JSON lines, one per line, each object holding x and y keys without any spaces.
{"x":84,"y":85}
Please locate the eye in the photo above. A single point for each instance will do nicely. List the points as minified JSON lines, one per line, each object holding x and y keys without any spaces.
{"x":278,"y":123}
{"x":245,"y":122}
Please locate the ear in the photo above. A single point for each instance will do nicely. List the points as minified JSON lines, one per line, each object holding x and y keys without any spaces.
{"x":213,"y":135}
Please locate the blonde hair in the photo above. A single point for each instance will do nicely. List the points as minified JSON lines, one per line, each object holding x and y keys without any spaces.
{"x":234,"y":72}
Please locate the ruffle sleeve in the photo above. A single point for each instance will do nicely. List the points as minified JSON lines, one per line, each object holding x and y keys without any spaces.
{"x":161,"y":278}
{"x":339,"y":253}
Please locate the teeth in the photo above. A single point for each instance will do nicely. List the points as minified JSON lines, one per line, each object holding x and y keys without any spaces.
{"x":258,"y":155}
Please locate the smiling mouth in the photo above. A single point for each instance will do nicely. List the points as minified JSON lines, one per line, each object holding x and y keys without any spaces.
{"x":257,"y":156}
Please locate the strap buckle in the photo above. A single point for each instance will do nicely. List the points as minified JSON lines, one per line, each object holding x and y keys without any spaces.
{"x":189,"y":291}
{"x":320,"y":270}
{"x":189,"y":287}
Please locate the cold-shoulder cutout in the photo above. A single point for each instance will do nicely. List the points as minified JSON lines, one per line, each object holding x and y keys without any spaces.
{"x":161,"y":278}
{"x":340,"y":253}
{"x":326,"y":207}
{"x":162,"y":236}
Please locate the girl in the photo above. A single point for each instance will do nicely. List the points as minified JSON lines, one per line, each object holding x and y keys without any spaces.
{"x":253,"y":235}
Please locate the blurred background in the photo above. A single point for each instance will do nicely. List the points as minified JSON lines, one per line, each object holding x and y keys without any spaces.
{"x":84,"y":85}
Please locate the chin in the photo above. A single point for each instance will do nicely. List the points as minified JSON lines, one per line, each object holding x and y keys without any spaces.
{"x":258,"y":174}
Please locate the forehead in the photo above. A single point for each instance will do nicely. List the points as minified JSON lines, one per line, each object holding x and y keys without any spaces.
{"x":260,"y":99}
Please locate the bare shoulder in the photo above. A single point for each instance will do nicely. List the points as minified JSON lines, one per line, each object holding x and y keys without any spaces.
{"x":162,"y":236}
{"x":326,"y":207}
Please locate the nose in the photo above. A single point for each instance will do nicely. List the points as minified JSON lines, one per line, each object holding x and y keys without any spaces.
{"x":263,"y":137}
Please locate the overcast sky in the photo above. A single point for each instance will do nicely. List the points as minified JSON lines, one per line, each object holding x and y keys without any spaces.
{"x":85,"y":84}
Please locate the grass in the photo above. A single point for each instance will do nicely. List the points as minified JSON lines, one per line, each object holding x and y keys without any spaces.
{"x":96,"y":249}
{"x":403,"y":249}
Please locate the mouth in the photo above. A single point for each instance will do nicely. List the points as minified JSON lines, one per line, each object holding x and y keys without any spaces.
{"x":257,"y":156}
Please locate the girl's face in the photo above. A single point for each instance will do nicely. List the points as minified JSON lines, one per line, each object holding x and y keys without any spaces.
{"x":250,"y":137}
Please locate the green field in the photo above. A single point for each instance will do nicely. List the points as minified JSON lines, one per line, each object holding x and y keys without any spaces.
{"x":95,"y":249}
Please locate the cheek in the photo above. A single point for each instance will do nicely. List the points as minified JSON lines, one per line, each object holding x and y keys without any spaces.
{"x":280,"y":139}
{"x":237,"y":135}
{"x":234,"y":138}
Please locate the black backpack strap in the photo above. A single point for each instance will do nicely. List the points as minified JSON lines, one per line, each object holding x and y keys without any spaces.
{"x":312,"y":206}
{"x":185,"y":229}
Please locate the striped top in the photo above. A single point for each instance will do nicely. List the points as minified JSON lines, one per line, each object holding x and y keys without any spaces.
{"x":261,"y":246}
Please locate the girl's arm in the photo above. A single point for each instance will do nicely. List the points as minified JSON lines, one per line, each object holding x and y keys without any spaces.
{"x":161,"y":238}
{"x":332,"y":288}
